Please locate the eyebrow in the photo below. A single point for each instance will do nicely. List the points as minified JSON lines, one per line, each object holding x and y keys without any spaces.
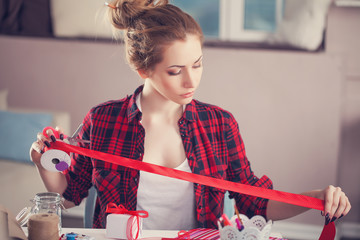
{"x":180,"y":66}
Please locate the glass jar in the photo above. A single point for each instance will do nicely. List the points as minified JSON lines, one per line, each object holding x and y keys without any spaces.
{"x":48,"y":202}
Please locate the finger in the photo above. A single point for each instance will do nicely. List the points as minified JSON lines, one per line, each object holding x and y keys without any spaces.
{"x":329,"y":194}
{"x":335,"y":202}
{"x":347,"y":208}
{"x":36,"y":146}
{"x":50,"y":133}
{"x":61,"y":134}
{"x":341,"y":207}
{"x":41,"y":137}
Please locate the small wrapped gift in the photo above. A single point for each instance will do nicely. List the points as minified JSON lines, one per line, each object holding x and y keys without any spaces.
{"x":122,"y":223}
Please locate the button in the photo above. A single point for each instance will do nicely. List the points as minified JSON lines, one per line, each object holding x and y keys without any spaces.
{"x":71,"y":236}
{"x":181,"y":121}
{"x":136,"y":179}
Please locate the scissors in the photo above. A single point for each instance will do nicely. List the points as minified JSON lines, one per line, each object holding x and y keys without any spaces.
{"x":56,"y":160}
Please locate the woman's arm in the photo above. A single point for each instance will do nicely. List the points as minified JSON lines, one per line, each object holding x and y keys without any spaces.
{"x":53,"y":181}
{"x":337,"y":205}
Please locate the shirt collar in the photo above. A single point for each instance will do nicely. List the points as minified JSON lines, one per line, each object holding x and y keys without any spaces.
{"x":190,"y":111}
{"x":133,"y":110}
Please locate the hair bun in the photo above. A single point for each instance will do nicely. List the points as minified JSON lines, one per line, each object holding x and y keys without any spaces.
{"x":126,"y":11}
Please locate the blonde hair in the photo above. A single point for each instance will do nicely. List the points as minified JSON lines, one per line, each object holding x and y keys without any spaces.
{"x":149,"y":26}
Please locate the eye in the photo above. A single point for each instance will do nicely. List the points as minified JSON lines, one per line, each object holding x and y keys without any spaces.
{"x":174,"y":73}
{"x":198,"y":65}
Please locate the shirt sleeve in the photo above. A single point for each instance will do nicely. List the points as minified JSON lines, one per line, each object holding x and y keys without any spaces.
{"x":79,"y":174}
{"x":239,"y":170}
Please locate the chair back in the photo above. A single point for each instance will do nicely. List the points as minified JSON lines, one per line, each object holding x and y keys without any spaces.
{"x":89,"y":208}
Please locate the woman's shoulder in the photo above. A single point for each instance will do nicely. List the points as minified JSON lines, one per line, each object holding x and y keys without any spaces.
{"x":110,"y":106}
{"x":207,"y":108}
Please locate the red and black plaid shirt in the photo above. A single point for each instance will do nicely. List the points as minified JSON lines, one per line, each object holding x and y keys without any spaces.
{"x":212,"y":144}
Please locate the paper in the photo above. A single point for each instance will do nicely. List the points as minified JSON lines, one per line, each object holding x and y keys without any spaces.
{"x":9,"y":226}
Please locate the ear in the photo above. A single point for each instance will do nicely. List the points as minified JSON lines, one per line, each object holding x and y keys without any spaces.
{"x":143,"y":73}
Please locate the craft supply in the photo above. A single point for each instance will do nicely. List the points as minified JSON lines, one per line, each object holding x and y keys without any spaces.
{"x":4,"y":226}
{"x":239,"y":224}
{"x":48,"y":203}
{"x":237,"y":212}
{"x":43,"y":226}
{"x":225,"y":220}
{"x":256,"y":228}
{"x":71,"y":236}
{"x":75,"y":236}
{"x":56,"y":160}
{"x":122,"y":223}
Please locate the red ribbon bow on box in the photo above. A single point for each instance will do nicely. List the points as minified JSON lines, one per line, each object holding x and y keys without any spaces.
{"x":120,"y":209}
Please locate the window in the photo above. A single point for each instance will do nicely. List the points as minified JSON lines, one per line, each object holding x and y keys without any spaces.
{"x":235,"y":20}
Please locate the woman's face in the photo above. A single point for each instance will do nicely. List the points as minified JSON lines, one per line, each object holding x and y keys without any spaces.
{"x":178,"y":75}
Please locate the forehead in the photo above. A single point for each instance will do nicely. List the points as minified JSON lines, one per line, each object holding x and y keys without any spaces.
{"x":182,"y":52}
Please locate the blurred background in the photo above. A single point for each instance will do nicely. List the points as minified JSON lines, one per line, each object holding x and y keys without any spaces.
{"x":289,"y":71}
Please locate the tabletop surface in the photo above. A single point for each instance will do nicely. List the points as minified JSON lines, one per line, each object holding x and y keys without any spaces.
{"x":100,"y":234}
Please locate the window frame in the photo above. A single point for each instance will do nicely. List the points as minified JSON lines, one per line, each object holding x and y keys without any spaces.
{"x":231,"y":22}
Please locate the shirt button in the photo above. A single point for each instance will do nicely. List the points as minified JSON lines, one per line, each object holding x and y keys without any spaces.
{"x":136,"y":179}
{"x":181,"y":121}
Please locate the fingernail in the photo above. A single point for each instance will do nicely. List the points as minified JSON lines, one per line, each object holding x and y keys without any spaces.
{"x":341,"y":216}
{"x":61,"y":136}
{"x":47,"y":143}
{"x":53,"y":138}
{"x":327,"y":219}
{"x":333,"y":219}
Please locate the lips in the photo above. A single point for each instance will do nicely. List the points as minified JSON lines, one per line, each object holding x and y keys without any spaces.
{"x":187,"y":95}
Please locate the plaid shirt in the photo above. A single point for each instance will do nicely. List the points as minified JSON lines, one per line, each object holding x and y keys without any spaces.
{"x":212,"y":144}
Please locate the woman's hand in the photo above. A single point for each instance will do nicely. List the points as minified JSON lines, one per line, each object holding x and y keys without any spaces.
{"x":337,"y":204}
{"x":37,"y":148}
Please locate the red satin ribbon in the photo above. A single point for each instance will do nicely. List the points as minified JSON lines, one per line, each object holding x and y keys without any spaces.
{"x":115,"y":209}
{"x":120,"y":209}
{"x":291,"y":198}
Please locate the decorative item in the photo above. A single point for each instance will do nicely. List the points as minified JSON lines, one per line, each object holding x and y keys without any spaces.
{"x":122,"y":223}
{"x":256,"y":228}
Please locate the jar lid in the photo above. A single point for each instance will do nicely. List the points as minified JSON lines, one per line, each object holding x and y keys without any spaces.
{"x":23,"y":216}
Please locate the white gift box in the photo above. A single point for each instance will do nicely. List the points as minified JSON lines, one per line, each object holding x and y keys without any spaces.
{"x":120,"y":226}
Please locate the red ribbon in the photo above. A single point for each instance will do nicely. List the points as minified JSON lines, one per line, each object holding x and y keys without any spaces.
{"x":115,"y":209}
{"x":120,"y":209}
{"x":291,"y":198}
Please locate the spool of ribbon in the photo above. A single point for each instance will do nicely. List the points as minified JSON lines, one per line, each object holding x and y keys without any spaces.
{"x":133,"y":221}
{"x":291,"y":198}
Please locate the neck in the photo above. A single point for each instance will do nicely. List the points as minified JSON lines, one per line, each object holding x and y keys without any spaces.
{"x":153,"y":104}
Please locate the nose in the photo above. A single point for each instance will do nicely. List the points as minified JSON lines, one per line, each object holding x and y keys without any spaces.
{"x":189,"y":79}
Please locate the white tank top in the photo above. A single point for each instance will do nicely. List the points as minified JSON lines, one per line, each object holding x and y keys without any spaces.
{"x":170,"y":202}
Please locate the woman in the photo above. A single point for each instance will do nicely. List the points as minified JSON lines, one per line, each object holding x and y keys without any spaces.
{"x":161,"y":123}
